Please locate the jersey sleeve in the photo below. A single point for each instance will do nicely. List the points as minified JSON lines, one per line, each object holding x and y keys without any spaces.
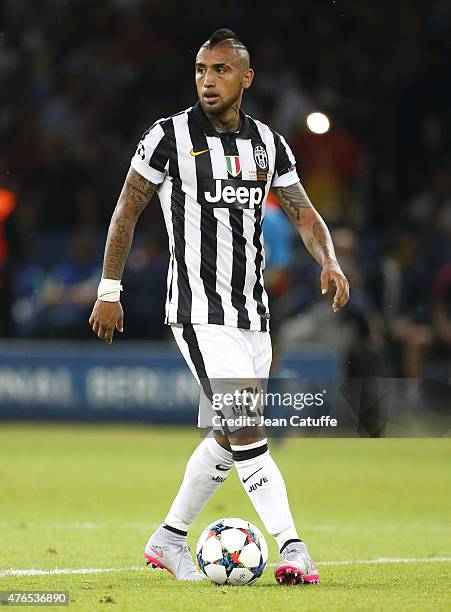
{"x":285,"y":167}
{"x":152,"y":154}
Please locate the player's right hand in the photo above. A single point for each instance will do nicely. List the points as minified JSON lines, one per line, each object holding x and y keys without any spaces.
{"x":105,"y":318}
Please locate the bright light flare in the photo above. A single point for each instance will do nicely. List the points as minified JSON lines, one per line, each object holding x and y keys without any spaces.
{"x":318,"y":123}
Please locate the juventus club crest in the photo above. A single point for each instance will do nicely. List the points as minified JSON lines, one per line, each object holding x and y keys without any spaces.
{"x":141,"y":151}
{"x":261,"y":157}
{"x":233,"y":165}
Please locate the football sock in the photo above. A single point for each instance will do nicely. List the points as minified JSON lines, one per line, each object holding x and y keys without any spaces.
{"x":206,"y":470}
{"x":179,"y":532}
{"x":171,"y":536}
{"x":286,"y":542}
{"x":266,"y":489}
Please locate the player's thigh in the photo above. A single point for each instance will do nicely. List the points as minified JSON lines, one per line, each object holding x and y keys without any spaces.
{"x":225,"y":351}
{"x":186,"y":350}
{"x":262,"y":355}
{"x":222,"y":360}
{"x":220,"y":357}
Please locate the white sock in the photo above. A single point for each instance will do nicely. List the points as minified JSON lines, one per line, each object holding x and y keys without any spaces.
{"x":206,"y":470}
{"x":266,"y":489}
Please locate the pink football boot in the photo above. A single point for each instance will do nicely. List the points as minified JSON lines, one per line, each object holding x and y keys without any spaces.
{"x":296,"y":566}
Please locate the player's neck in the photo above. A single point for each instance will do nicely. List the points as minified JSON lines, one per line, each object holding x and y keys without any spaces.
{"x":230,"y":121}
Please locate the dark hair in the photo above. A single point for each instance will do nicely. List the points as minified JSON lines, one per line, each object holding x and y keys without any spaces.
{"x":220,"y":36}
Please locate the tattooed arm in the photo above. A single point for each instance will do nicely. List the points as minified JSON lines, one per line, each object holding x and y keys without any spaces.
{"x":316,"y":238}
{"x":135,"y":195}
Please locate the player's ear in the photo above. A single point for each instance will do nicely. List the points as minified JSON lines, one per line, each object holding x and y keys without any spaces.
{"x":248,"y":78}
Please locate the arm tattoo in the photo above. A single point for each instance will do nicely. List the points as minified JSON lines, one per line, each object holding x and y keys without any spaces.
{"x":309,"y":222}
{"x":293,"y":199}
{"x":323,"y":246}
{"x":134,"y":197}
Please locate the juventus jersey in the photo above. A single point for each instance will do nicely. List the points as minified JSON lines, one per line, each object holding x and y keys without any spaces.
{"x":212,"y":188}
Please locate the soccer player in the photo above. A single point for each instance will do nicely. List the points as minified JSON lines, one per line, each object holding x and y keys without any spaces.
{"x":212,"y":167}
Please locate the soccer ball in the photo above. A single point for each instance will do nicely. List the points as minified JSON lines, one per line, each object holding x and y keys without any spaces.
{"x":232,"y":551}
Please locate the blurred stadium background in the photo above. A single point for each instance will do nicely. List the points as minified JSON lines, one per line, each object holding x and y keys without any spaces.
{"x":80,"y":82}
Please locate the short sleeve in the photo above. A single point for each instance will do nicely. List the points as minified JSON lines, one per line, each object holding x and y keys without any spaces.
{"x":152,"y":154}
{"x":285,"y":167}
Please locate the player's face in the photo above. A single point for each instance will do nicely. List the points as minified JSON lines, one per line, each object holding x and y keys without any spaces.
{"x":222,"y":73}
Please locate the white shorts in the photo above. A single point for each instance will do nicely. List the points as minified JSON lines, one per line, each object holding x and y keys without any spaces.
{"x":223,"y":358}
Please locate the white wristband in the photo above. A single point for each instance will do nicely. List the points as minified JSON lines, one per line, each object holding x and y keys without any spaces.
{"x":109,"y":290}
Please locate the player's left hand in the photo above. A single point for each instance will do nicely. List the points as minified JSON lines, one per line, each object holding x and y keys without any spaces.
{"x":332,"y":274}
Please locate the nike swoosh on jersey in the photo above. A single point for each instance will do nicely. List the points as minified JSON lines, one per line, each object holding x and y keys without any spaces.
{"x":221,"y":468}
{"x":195,"y":153}
{"x":246,"y":479}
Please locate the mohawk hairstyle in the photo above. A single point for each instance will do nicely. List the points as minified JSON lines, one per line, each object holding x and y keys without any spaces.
{"x":220,"y":36}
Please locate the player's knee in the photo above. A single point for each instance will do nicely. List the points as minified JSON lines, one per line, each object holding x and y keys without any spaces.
{"x":223,"y":441}
{"x":247,"y":435}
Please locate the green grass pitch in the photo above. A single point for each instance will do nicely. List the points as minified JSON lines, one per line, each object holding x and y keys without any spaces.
{"x":88,"y":497}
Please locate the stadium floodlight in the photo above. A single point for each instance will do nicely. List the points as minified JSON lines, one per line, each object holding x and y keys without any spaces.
{"x":318,"y":123}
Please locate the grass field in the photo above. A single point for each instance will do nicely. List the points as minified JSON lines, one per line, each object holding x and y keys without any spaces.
{"x":88,"y":497}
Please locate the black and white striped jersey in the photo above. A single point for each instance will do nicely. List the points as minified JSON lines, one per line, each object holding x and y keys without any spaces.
{"x":212,"y":188}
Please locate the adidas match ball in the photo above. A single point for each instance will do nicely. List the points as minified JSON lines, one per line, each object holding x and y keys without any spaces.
{"x":232,"y":551}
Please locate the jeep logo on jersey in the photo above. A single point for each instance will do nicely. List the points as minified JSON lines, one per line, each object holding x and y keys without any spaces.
{"x":233,"y":165}
{"x":261,"y":157}
{"x":233,"y":193}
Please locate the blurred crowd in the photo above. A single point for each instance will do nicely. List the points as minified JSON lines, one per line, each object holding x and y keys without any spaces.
{"x":80,"y":81}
